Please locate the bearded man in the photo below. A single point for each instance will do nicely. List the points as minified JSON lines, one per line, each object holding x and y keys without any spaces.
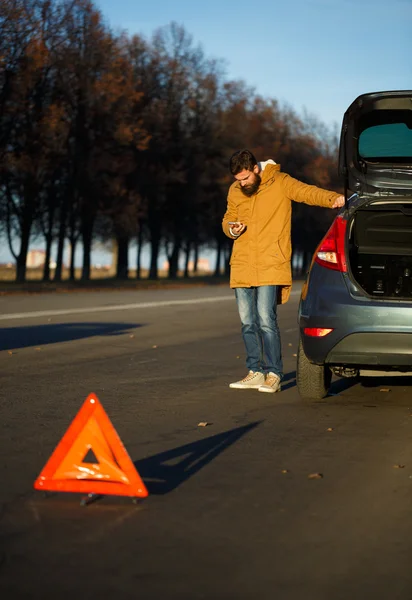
{"x":258,"y":218}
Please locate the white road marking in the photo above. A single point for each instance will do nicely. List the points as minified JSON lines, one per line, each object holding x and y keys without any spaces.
{"x":97,"y":309}
{"x":143,"y":362}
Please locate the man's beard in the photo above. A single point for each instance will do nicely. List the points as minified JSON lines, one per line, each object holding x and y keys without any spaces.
{"x":252,"y":188}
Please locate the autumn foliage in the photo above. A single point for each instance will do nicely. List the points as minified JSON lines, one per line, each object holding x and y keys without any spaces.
{"x":109,"y":136}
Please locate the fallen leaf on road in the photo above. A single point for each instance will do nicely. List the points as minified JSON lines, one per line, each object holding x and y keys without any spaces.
{"x":329,"y":429}
{"x":203,"y":424}
{"x":237,"y":356}
{"x":10,"y":352}
{"x":398,"y":466}
{"x":315,"y":476}
{"x":384,"y":390}
{"x":294,"y":354}
{"x":38,"y":348}
{"x":131,"y":335}
{"x":290,"y":344}
{"x":284,"y":471}
{"x":154,"y":346}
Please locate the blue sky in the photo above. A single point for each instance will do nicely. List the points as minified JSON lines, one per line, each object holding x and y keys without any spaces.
{"x":317,"y":55}
{"x":313,"y":55}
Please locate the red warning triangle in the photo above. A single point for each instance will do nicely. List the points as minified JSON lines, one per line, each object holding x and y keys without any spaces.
{"x":113,"y":474}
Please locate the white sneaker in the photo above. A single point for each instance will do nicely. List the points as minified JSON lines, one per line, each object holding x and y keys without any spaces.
{"x":272,"y":384}
{"x":252,"y":381}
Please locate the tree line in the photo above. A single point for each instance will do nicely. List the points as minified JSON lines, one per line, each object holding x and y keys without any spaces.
{"x":104,"y":135}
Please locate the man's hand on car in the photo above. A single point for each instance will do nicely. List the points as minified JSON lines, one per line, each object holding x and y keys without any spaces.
{"x":339,"y":202}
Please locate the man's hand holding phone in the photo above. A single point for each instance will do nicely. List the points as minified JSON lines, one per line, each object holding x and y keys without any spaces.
{"x":237,"y":227}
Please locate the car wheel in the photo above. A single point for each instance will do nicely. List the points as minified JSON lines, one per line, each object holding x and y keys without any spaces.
{"x":313,"y":381}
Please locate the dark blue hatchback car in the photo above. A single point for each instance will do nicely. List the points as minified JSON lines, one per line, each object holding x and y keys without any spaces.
{"x":355,"y":312}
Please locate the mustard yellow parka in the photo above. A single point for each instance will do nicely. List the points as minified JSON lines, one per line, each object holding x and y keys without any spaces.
{"x":262,"y":254}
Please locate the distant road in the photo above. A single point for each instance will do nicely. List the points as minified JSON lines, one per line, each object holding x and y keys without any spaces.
{"x":102,"y":307}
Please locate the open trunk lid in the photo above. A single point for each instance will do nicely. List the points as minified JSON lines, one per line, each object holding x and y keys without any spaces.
{"x":375,"y":155}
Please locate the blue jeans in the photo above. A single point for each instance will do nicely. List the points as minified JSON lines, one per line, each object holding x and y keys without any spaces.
{"x":260,"y":331}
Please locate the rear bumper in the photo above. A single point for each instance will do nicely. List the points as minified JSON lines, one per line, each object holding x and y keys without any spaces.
{"x":373,"y":349}
{"x":365,"y":331}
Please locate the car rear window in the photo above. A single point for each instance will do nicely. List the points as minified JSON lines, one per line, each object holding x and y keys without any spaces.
{"x":388,"y":141}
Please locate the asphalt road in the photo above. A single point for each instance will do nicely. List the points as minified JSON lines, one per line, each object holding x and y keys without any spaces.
{"x":232,"y":512}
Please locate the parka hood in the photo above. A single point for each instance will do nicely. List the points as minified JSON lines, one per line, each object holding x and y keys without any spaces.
{"x":269,"y":171}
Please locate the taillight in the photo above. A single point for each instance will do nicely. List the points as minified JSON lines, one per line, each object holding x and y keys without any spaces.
{"x":331,"y":250}
{"x":316,"y":331}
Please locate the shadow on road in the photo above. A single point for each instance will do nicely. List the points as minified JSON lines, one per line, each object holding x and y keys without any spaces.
{"x":386,"y":382}
{"x":164,"y":472}
{"x":337,"y":387}
{"x":289,"y":380}
{"x":341,"y":385}
{"x":39,"y":335}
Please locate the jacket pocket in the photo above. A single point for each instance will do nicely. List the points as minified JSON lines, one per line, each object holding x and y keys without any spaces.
{"x":279,"y":253}
{"x":240,"y":254}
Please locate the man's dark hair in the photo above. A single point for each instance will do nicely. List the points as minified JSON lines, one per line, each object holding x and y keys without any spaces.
{"x":242,"y":160}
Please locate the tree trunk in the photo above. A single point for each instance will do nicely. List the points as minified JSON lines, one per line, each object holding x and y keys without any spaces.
{"x":196,"y":258}
{"x":29,"y":200}
{"x":72,"y":266}
{"x":62,"y":236}
{"x":49,"y":234}
{"x":174,"y":260}
{"x":46,"y":269}
{"x":87,"y":236}
{"x":218,"y":257}
{"x":122,"y":268}
{"x":22,"y":257}
{"x":139,"y":252}
{"x":227,"y":260}
{"x":154,"y":254}
{"x":187,"y":257}
{"x":307,"y":261}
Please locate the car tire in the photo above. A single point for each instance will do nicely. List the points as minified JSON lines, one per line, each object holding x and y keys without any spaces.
{"x":313,"y":381}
